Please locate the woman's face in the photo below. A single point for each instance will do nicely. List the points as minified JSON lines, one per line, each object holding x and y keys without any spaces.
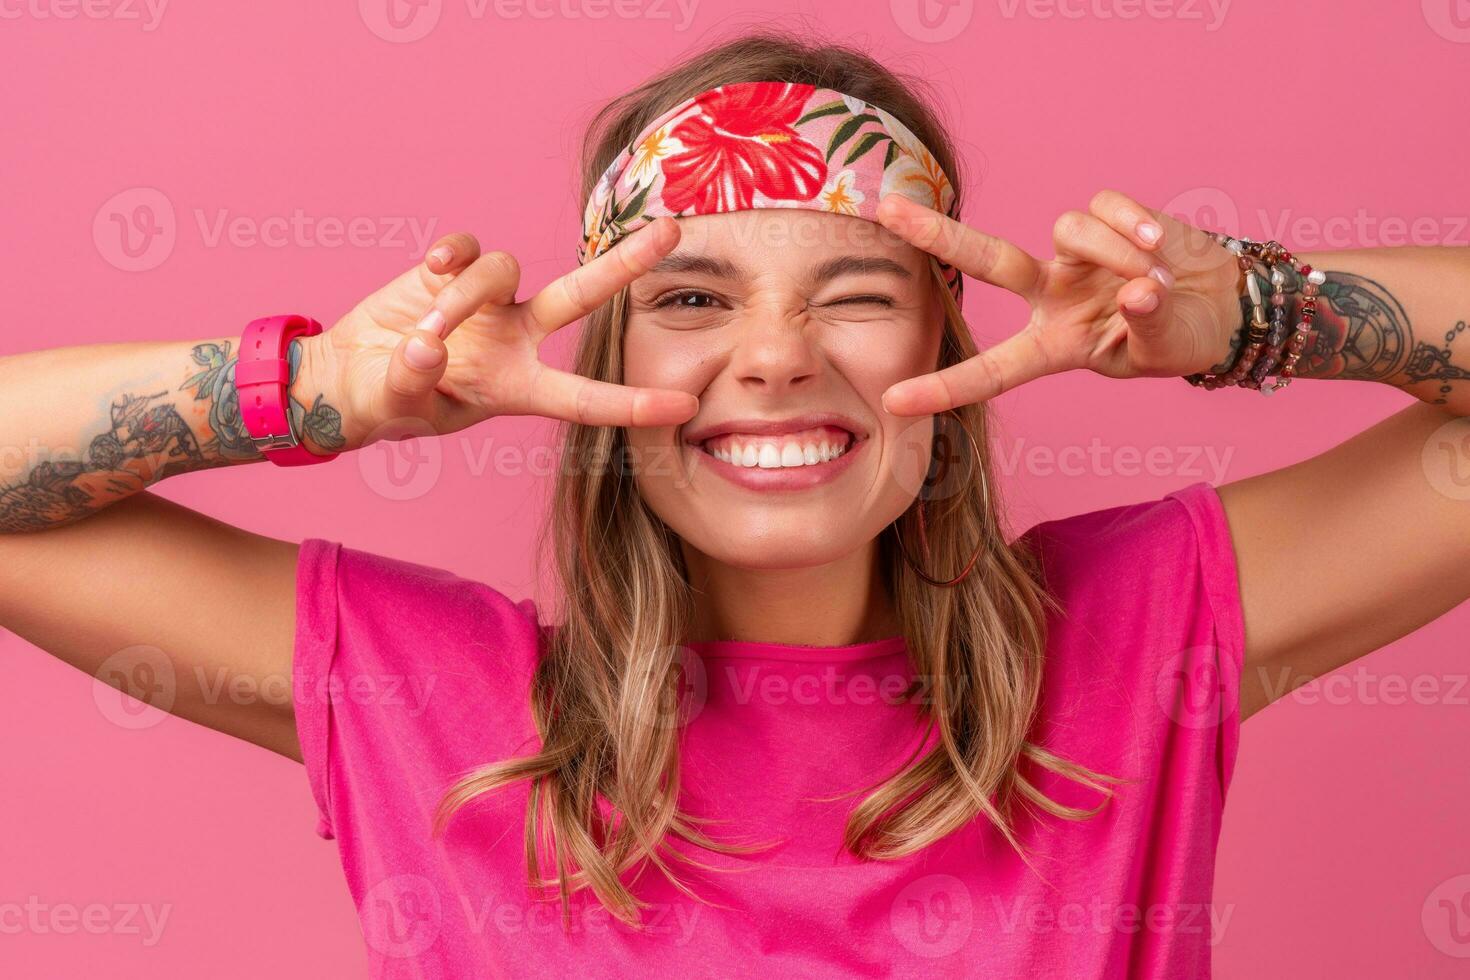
{"x":788,"y":325}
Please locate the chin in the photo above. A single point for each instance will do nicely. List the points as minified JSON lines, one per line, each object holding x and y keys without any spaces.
{"x":767,"y":547}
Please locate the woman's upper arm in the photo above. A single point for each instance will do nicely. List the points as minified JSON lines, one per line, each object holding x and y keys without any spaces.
{"x":1348,"y":550}
{"x":181,"y":610}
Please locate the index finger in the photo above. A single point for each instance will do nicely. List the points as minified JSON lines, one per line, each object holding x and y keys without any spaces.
{"x":980,"y":256}
{"x":994,"y":371}
{"x":574,"y":398}
{"x":587,"y":287}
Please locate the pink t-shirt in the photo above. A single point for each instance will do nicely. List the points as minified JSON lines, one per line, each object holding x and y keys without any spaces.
{"x":408,"y":676}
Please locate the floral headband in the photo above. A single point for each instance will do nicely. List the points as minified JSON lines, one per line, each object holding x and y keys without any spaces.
{"x":764,"y":145}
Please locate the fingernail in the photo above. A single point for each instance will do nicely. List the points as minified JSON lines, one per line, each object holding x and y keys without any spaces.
{"x":433,"y":322}
{"x":419,"y":354}
{"x":1162,"y":275}
{"x":1148,"y":304}
{"x":443,"y":254}
{"x":1150,"y":232}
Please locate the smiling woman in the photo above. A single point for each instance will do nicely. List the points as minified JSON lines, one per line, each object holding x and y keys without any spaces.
{"x":789,"y":318}
{"x":804,"y":706}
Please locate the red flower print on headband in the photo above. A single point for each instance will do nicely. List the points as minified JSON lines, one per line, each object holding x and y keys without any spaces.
{"x":742,"y":141}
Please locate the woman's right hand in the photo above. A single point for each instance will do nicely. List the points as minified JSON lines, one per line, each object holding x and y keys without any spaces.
{"x":447,"y":343}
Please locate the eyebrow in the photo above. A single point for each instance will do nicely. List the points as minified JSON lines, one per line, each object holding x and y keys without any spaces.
{"x":830,"y":269}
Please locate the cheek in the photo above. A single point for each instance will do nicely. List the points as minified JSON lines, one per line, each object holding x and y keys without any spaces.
{"x":655,"y":358}
{"x":661,"y":359}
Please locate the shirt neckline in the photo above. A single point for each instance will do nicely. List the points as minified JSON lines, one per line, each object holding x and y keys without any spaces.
{"x":755,"y":650}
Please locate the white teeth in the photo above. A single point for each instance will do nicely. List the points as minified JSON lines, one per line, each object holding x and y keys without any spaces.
{"x":771,"y":455}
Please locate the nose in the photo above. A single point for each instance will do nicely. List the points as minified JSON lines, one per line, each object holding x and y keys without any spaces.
{"x":776,"y":350}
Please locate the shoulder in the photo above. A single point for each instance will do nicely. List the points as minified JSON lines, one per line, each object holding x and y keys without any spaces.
{"x":1177,"y":527}
{"x":1148,"y":627}
{"x":404,"y":597}
{"x":1161,"y":552}
{"x":389,"y":649}
{"x":360,"y":612}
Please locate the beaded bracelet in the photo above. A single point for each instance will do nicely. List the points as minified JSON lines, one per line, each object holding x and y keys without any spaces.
{"x":1266,"y":344}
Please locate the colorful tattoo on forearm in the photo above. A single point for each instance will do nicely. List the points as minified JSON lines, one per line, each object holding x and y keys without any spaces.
{"x":1362,"y":333}
{"x":146,"y":439}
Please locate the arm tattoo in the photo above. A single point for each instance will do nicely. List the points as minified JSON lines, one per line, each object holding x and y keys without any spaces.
{"x":1362,"y":333}
{"x":146,"y":439}
{"x":1237,"y":337}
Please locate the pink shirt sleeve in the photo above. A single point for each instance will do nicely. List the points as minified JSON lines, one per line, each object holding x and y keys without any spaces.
{"x":1144,"y":662}
{"x":403,"y":677}
{"x":1219,"y":579}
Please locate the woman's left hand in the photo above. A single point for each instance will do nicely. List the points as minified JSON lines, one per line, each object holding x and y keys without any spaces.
{"x":1115,"y":300}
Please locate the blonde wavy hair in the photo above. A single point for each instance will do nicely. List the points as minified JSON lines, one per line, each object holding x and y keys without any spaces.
{"x":609,"y":677}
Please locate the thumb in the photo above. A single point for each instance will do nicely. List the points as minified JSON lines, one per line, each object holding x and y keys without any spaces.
{"x":416,"y":367}
{"x":1146,"y":304}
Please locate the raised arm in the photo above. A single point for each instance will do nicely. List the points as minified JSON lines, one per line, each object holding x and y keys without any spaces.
{"x":90,"y":566}
{"x":1338,"y":554}
{"x":1346,"y":551}
{"x":88,"y":426}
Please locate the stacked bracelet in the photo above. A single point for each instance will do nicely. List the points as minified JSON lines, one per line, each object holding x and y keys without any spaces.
{"x":1268,"y":346}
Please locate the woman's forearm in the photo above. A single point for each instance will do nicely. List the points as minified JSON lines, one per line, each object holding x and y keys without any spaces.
{"x":82,"y":427}
{"x":1393,"y":315}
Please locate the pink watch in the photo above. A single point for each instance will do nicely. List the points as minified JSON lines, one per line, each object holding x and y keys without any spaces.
{"x":262,"y":375}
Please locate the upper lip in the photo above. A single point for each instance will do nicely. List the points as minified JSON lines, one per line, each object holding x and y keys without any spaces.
{"x":774,"y":427}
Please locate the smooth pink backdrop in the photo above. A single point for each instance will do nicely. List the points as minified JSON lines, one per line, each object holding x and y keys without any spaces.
{"x":1345,"y":824}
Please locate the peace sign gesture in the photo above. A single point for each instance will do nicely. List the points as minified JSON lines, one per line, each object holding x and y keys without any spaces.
{"x":1131,"y":293}
{"x":447,"y":342}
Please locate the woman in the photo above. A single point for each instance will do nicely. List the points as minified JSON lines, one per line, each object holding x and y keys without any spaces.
{"x":803,"y":708}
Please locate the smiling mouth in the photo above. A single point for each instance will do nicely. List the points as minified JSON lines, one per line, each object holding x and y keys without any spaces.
{"x":809,"y":447}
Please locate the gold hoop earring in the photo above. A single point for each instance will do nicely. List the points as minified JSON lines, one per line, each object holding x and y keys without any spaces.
{"x":976,"y":467}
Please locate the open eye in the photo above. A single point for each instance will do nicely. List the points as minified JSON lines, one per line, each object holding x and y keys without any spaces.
{"x":687,"y":299}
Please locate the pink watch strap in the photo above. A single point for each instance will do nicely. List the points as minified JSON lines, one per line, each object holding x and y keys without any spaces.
{"x":262,"y":375}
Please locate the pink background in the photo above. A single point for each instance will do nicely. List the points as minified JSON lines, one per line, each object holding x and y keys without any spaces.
{"x":1345,"y":824}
